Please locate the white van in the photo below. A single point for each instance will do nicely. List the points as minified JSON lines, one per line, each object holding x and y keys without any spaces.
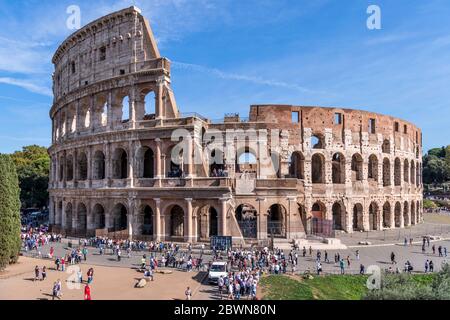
{"x":217,"y":269}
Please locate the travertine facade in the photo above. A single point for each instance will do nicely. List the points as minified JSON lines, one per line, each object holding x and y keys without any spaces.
{"x":114,"y":116}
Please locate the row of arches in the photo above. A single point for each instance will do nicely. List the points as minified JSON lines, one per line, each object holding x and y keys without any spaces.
{"x":96,"y":113}
{"x":411,"y":172}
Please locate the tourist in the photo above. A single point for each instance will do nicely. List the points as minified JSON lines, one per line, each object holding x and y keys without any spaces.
{"x":63,"y":264}
{"x":36,"y":273}
{"x":342,"y":266}
{"x":310,"y":250}
{"x":393,"y":258}
{"x":52,"y":251}
{"x":319,"y":268}
{"x":411,"y":241}
{"x":423,"y":248}
{"x":304,"y":252}
{"x":431,"y":266}
{"x":230,"y":290}
{"x":85,"y":252}
{"x":80,"y":276}
{"x":427,"y":264}
{"x":405,"y":242}
{"x":433,"y":248}
{"x":440,"y":251}
{"x":220,"y":283}
{"x":90,"y":275}
{"x":44,"y":273}
{"x":119,"y":253}
{"x":87,"y":292}
{"x":56,"y":291}
{"x":357,"y":255}
{"x":362,"y":269}
{"x":57,"y":263}
{"x":348,"y":262}
{"x":188,"y":293}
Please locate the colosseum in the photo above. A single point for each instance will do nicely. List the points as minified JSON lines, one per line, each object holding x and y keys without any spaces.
{"x":126,"y":162}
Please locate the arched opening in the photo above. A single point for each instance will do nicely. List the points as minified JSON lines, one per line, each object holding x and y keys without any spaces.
{"x":104,"y":114}
{"x":338,"y":216}
{"x":120,"y":221}
{"x":246,"y":161}
{"x":413,"y":213}
{"x":69,"y":166}
{"x":246,"y":219}
{"x":317,"y":168}
{"x":406,"y":171}
{"x":358,"y":217}
{"x":61,"y":169}
{"x":176,"y":221}
{"x":386,"y":215}
{"x":386,"y":172}
{"x":398,"y":215}
{"x":213,"y":222}
{"x":120,"y":164}
{"x":99,"y":216}
{"x":82,"y":218}
{"x":297,"y":165}
{"x":318,"y":210}
{"x":397,"y":172}
{"x":82,"y":166}
{"x":373,"y":216}
{"x":149,"y":105}
{"x":418,"y":168}
{"x":87,"y":119}
{"x":357,"y":167}
{"x":413,"y":173}
{"x":275,"y":220}
{"x":338,"y":168}
{"x":217,"y":167}
{"x":99,"y":165}
{"x":373,"y":168}
{"x":406,"y":219}
{"x":69,"y":217}
{"x":317,"y":142}
{"x":175,"y":166}
{"x":386,"y":146}
{"x":125,"y":109}
{"x":147,"y":162}
{"x":147,"y":223}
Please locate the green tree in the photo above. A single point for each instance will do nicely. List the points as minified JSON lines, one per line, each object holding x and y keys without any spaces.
{"x":33,"y":166}
{"x":9,"y":212}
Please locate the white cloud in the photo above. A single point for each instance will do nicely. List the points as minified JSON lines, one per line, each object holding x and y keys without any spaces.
{"x":28,"y":85}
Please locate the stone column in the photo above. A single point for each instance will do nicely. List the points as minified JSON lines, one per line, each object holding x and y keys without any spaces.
{"x":77,"y":118}
{"x":92,"y":111}
{"x":75,"y":166}
{"x":158,"y":97}
{"x":131,"y":105}
{"x":131,"y":160}
{"x":189,"y":158}
{"x":157,"y":221}
{"x":63,"y":215}
{"x":223,"y":217}
{"x":261,"y":232}
{"x":194,"y":227}
{"x":188,"y":220}
{"x":89,"y":167}
{"x":51,"y":211}
{"x":130,"y":217}
{"x":108,"y":164}
{"x":90,"y":225}
{"x":158,"y":159}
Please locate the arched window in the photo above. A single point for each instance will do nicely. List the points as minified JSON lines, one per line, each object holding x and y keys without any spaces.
{"x":82,"y":218}
{"x":373,"y":216}
{"x":386,"y":172}
{"x":99,"y":216}
{"x":406,"y":171}
{"x":176,"y":221}
{"x":150,"y":103}
{"x":357,"y":167}
{"x":99,"y":165}
{"x":297,"y":165}
{"x":317,"y":168}
{"x":125,"y":109}
{"x":69,"y":166}
{"x":398,"y":215}
{"x":120,"y":221}
{"x":386,"y":215}
{"x":82,"y":166}
{"x":317,"y":142}
{"x":120,"y":164}
{"x":147,"y":224}
{"x":246,"y":161}
{"x":104,"y":114}
{"x":247,"y":221}
{"x":386,"y":146}
{"x":275,"y":220}
{"x":373,"y":168}
{"x":338,"y":216}
{"x":358,"y":217}
{"x":413,"y":173}
{"x":397,"y":172}
{"x":213,"y":222}
{"x":338,"y":168}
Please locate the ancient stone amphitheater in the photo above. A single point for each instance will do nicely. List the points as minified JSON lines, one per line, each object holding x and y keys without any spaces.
{"x":287,"y":171}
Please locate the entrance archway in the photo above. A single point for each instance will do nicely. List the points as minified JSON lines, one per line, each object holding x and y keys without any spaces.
{"x":338,"y":216}
{"x":386,"y":215}
{"x":406,"y":220}
{"x":147,"y":221}
{"x":373,"y":216}
{"x":398,"y":214}
{"x":358,"y":217}
{"x":276,"y":221}
{"x":247,"y":219}
{"x":99,"y":216}
{"x":213,"y":222}
{"x":177,"y":221}
{"x":120,"y":217}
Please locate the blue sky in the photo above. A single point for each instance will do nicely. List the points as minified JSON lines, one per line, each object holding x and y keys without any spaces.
{"x":228,"y":54}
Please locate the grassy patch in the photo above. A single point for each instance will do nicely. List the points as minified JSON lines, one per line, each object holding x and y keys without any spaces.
{"x":332,"y":287}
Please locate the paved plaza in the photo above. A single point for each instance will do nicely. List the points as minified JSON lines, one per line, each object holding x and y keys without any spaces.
{"x":116,"y":279}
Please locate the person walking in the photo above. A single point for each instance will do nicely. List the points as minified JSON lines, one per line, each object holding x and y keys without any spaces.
{"x":87,"y":292}
{"x":357,"y":255}
{"x":44,"y":273}
{"x":36,"y":273}
{"x":427,"y":264}
{"x":342,"y":266}
{"x":393,"y":258}
{"x":220,"y":283}
{"x":55,"y":291}
{"x":431,"y":266}
{"x":326,"y":257}
{"x":119,"y":253}
{"x":188,"y":293}
{"x":362,"y":269}
{"x":85,"y":252}
{"x":433,"y":248}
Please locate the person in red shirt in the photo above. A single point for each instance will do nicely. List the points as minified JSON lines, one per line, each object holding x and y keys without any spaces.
{"x":87,"y":292}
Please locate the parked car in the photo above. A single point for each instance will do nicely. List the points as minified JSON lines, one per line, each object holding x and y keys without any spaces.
{"x":217,"y":269}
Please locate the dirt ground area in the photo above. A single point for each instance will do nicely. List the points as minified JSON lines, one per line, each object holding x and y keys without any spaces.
{"x":110,"y":283}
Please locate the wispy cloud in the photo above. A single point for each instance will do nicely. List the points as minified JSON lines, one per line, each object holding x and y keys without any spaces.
{"x":239,"y":77}
{"x":28,"y":85}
